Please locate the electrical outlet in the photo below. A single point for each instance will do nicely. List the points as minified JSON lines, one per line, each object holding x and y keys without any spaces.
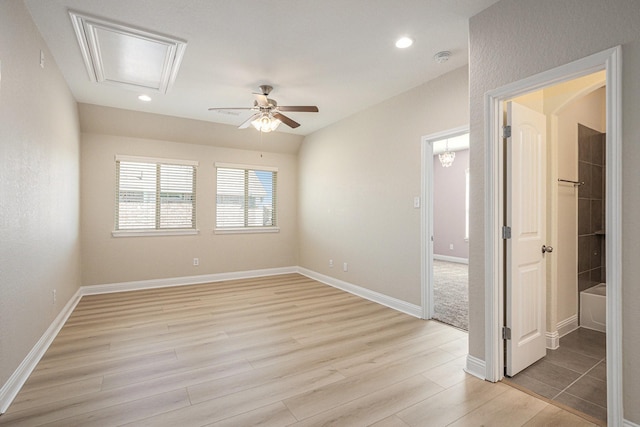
{"x":345,"y":267}
{"x":196,"y":262}
{"x":451,"y":246}
{"x":330,"y":263}
{"x":416,"y":202}
{"x":55,"y":296}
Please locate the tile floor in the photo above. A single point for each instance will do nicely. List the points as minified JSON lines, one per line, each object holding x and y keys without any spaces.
{"x":574,"y":375}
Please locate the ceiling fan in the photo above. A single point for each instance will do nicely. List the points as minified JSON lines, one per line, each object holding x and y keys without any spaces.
{"x":267,"y":114}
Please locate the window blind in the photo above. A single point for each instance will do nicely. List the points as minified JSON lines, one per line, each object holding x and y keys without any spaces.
{"x":154,"y":194}
{"x":246,"y":197}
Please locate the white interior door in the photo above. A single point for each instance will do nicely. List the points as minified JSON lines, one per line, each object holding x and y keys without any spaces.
{"x":525,"y":259}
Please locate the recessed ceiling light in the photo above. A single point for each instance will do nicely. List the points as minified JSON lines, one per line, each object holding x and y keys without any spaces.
{"x":145,"y":98}
{"x":403,"y":42}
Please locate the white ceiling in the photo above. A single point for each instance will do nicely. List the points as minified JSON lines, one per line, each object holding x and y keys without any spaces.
{"x":336,"y":54}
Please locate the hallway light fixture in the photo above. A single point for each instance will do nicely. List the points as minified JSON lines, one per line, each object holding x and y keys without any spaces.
{"x":446,"y":158}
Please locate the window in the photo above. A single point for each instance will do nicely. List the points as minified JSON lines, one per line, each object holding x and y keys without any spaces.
{"x":155,"y":196}
{"x":246,"y":198}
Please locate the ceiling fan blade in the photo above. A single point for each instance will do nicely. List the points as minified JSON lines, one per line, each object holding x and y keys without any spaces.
{"x":232,"y":108}
{"x":301,"y":108}
{"x":247,"y":122}
{"x":286,"y":120}
{"x":261,"y":99}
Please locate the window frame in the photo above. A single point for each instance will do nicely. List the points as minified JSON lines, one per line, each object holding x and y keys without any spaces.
{"x":248,"y":229}
{"x":139,"y":232}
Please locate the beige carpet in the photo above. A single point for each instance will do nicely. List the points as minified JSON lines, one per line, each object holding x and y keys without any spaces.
{"x":451,"y":293}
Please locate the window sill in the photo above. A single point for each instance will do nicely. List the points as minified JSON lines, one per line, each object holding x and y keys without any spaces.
{"x":147,"y":233}
{"x":246,"y":230}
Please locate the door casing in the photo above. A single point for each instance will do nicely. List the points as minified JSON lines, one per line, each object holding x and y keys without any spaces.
{"x":609,"y":60}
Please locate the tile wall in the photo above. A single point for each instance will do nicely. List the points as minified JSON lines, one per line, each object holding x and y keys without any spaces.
{"x":591,"y":207}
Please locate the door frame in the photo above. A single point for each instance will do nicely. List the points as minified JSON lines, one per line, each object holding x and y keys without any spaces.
{"x":609,"y":60}
{"x":426,"y":216}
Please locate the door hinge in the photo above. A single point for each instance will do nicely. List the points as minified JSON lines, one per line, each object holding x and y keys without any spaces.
{"x":506,"y":131}
{"x":506,"y":333}
{"x":506,"y":232}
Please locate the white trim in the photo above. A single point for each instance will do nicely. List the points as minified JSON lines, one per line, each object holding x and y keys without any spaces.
{"x":157,"y":160}
{"x":396,"y":304}
{"x":243,"y":167}
{"x":552,"y":340}
{"x":627,"y":423}
{"x":241,"y":230}
{"x":182,"y":281}
{"x":613,"y":215}
{"x":475,"y":367}
{"x":154,"y":232}
{"x":10,"y":389}
{"x":426,"y":229}
{"x":450,"y":133}
{"x":567,"y":326}
{"x":611,"y":61}
{"x":426,"y":216}
{"x":451,"y":259}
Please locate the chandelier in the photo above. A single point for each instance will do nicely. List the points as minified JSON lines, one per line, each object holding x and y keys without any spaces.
{"x":266,"y":123}
{"x":446,"y":158}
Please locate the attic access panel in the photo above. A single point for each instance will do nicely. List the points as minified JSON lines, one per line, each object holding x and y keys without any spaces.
{"x":127,"y":57}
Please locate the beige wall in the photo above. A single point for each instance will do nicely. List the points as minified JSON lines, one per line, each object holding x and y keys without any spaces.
{"x":543,"y":35}
{"x":107,"y":259}
{"x":358,"y":179}
{"x":588,"y":111}
{"x":39,"y":189}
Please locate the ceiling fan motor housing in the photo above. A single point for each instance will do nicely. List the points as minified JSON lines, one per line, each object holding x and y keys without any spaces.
{"x":272,"y":103}
{"x":265,"y":89}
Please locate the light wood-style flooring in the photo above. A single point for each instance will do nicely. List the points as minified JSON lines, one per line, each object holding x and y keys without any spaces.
{"x":272,"y":351}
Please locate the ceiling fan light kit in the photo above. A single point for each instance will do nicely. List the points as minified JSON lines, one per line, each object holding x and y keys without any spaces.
{"x":267,"y":114}
{"x":266,"y":123}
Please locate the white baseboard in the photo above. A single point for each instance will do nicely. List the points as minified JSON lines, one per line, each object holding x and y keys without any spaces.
{"x":553,"y":340}
{"x":627,"y":423}
{"x":10,"y":389}
{"x":451,"y":259}
{"x":563,"y":328}
{"x":567,"y":325}
{"x":476,"y":367}
{"x":396,"y":304}
{"x":182,"y":281}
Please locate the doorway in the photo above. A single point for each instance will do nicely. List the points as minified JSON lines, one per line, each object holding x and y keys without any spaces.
{"x":445,"y":227}
{"x":571,"y":366}
{"x":495,"y":207}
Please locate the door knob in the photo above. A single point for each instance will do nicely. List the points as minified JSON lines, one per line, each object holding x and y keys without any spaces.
{"x":546,"y":248}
